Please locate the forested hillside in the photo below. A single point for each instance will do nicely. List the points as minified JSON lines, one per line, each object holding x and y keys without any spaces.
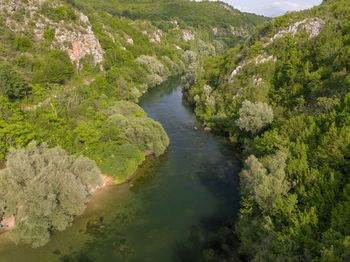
{"x":284,"y":98}
{"x":70,"y":74}
{"x":62,"y":70}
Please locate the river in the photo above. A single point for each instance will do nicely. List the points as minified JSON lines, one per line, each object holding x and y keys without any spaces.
{"x":171,"y":211}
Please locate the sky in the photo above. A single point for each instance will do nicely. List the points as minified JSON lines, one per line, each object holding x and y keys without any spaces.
{"x":272,"y":8}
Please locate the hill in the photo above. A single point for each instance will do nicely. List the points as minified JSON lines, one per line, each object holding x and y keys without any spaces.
{"x":283,"y":98}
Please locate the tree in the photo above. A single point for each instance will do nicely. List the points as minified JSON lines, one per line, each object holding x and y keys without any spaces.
{"x":254,"y":116}
{"x":55,"y":69}
{"x":12,"y":84}
{"x":143,"y":131}
{"x":264,"y":182}
{"x":45,"y":189}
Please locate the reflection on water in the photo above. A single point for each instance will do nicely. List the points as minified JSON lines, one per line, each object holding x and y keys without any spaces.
{"x":173,"y":210}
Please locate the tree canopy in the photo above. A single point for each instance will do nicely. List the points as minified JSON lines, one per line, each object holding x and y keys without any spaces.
{"x":45,"y":188}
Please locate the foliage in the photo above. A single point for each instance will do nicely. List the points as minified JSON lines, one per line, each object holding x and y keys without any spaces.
{"x":86,"y":110}
{"x":56,"y":68}
{"x":124,"y":108}
{"x":45,"y":189}
{"x":145,"y":132}
{"x":12,"y":83}
{"x":254,"y":116}
{"x":295,"y":182}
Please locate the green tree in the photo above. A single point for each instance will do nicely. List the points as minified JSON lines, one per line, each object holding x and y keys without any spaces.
{"x":12,"y":84}
{"x":264,"y":183}
{"x":45,"y":188}
{"x":254,"y":116}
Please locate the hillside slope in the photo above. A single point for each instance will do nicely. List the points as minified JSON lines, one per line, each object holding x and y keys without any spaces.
{"x":284,"y":98}
{"x":63,"y":64}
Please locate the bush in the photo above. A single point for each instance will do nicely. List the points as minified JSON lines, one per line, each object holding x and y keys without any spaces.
{"x":22,"y":43}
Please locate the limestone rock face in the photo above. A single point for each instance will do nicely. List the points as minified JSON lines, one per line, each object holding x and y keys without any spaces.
{"x":312,"y":26}
{"x":75,"y":37}
{"x":82,"y":44}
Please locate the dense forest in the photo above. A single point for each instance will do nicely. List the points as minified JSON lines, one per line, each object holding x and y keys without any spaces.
{"x":70,"y":74}
{"x":284,"y":99}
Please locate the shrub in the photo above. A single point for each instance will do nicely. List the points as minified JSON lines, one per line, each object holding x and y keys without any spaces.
{"x":22,"y":43}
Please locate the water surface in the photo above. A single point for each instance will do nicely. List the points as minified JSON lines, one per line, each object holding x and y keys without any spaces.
{"x":171,"y":210}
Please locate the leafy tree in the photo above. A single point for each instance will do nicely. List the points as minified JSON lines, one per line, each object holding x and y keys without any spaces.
{"x":254,"y":116}
{"x":264,"y":184}
{"x":12,"y":84}
{"x":56,"y":68}
{"x":45,"y":189}
{"x":145,"y":132}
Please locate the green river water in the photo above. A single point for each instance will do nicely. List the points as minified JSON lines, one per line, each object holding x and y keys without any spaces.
{"x":171,"y":211}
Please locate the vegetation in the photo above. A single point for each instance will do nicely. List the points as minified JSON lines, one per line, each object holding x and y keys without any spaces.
{"x":295,"y":183}
{"x":254,"y":117}
{"x":54,"y":91}
{"x":45,"y":189}
{"x":12,"y":84}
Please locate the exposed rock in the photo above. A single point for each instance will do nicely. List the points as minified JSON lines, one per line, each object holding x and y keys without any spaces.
{"x":235,"y":72}
{"x":229,"y":8}
{"x":156,"y":36}
{"x":313,"y":27}
{"x":238,"y":94}
{"x":215,"y":30}
{"x":7,"y":223}
{"x":82,"y":44}
{"x":177,"y":47}
{"x":130,"y":41}
{"x":148,"y":153}
{"x":77,"y":39}
{"x":257,"y":80}
{"x":207,"y":129}
{"x":187,"y":35}
{"x":263,"y":59}
{"x":83,"y":18}
{"x":175,"y":23}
